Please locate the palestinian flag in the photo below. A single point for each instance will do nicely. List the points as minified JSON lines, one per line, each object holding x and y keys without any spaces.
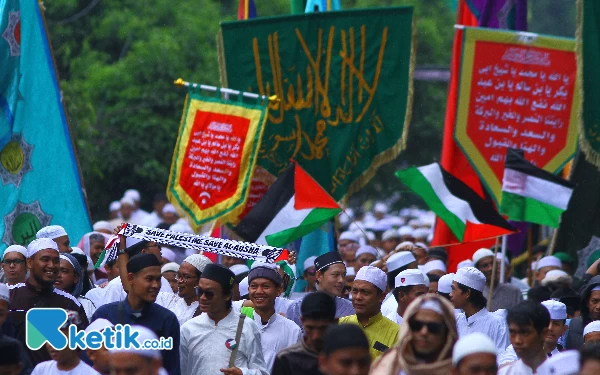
{"x":532,"y":194}
{"x":469,"y":217}
{"x":294,"y":206}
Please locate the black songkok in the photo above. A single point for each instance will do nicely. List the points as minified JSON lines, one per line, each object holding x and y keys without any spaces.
{"x":219,"y":274}
{"x":327,"y":259}
{"x":140,"y":261}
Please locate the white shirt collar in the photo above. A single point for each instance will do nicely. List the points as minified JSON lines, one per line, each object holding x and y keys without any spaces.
{"x":477,"y":316}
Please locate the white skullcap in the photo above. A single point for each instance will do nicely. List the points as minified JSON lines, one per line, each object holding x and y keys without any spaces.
{"x":549,"y":261}
{"x":592,"y":327}
{"x":350,"y":236}
{"x":465,"y":263}
{"x":114,"y":206}
{"x":76,"y":250}
{"x":421,"y":245}
{"x":396,"y":221}
{"x":133,"y":194}
{"x":432,"y":305}
{"x":389,"y":234}
{"x":382,"y":225}
{"x":350,"y":271}
{"x":434,"y":265}
{"x":309,"y":262}
{"x":181,"y":227}
{"x":143,"y":335}
{"x":470,"y":277}
{"x":554,"y":275}
{"x":370,"y":236}
{"x":563,"y":363}
{"x":51,"y":231}
{"x":405,"y":231}
{"x":381,"y":208}
{"x":445,"y":283}
{"x":406,"y":245}
{"x":102,"y":225}
{"x":256,"y":264}
{"x":473,"y":343}
{"x":480,"y":254}
{"x":169,"y":208}
{"x":409,"y":278}
{"x":399,"y":259}
{"x":243,"y":287}
{"x":15,"y":249}
{"x":170,"y":267}
{"x":500,"y":257}
{"x":39,"y":245}
{"x":199,"y":261}
{"x":127,"y":201}
{"x":168,"y":254}
{"x":366,"y":249}
{"x":4,"y":293}
{"x":427,"y":282}
{"x":238,"y":269}
{"x":596,"y":289}
{"x":421,"y":233}
{"x":373,"y":275}
{"x":557,"y":310}
{"x":414,"y":222}
{"x":98,"y":325}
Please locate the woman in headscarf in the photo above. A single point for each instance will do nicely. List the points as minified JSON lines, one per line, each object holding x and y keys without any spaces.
{"x":427,"y":337}
{"x":92,"y":245}
{"x":70,"y":280}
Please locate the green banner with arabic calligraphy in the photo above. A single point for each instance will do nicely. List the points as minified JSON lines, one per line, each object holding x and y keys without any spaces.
{"x":344,"y":80}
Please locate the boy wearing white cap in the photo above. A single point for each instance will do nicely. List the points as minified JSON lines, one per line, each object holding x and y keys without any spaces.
{"x":58,"y":234}
{"x":14,"y":264}
{"x":368,"y":291}
{"x":504,"y":295}
{"x":467,"y":295}
{"x":474,"y":353}
{"x":557,"y":327}
{"x":396,"y":263}
{"x":136,"y":361}
{"x":390,"y":239}
{"x":542,"y":266}
{"x":409,"y":285}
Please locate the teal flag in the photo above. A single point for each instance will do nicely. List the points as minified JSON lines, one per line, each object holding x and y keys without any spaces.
{"x":40,"y":182}
{"x":316,"y":243}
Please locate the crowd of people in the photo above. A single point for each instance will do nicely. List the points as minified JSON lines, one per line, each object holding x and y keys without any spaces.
{"x":383,"y":303}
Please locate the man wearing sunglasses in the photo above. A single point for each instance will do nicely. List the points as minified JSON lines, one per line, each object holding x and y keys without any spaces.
{"x":410,"y":285}
{"x":14,"y":264}
{"x":209,"y":340}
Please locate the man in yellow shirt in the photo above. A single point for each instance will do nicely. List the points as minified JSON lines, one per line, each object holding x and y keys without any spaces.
{"x":368,"y":292}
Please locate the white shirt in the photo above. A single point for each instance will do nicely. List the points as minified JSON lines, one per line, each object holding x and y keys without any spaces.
{"x":516,"y":368}
{"x":395,"y":317}
{"x":279,"y":333}
{"x":389,"y":305}
{"x":96,"y":295}
{"x":88,"y":306}
{"x":177,"y":305}
{"x":114,"y":290}
{"x":204,"y":346}
{"x":49,"y":368}
{"x":151,"y":220}
{"x":487,"y":323}
{"x":510,"y":355}
{"x":282,"y":304}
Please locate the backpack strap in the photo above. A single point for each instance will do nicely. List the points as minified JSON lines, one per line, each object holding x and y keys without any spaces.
{"x":238,"y":336}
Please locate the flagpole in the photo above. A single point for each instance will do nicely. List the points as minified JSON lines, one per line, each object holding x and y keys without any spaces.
{"x":503,"y":263}
{"x":489,"y":301}
{"x":181,"y":82}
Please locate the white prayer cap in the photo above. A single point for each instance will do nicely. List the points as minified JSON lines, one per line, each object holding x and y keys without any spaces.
{"x":421,"y":245}
{"x":473,"y":343}
{"x":4,"y":293}
{"x":243,"y":287}
{"x":382,"y":226}
{"x":421,"y":233}
{"x":199,"y":261}
{"x":133,"y":194}
{"x":76,"y":250}
{"x":549,"y":261}
{"x":51,"y":231}
{"x":594,"y":326}
{"x":396,"y":221}
{"x":399,"y":259}
{"x":470,"y":277}
{"x":170,"y":267}
{"x":500,"y":258}
{"x":445,"y":283}
{"x":555,"y":275}
{"x":370,"y":236}
{"x":405,"y":246}
{"x":102,"y":225}
{"x":238,"y":269}
{"x":169,"y":208}
{"x":381,"y":208}
{"x":309,"y":262}
{"x":350,"y":271}
{"x":114,"y":206}
{"x":39,"y":245}
{"x":15,"y":249}
{"x":414,"y":223}
{"x":350,"y":236}
{"x":434,"y":265}
{"x":366,"y":249}
{"x":557,"y":310}
{"x":405,"y":231}
{"x":480,"y":254}
{"x":465,"y":263}
{"x":127,"y":201}
{"x":432,"y":305}
{"x":389,"y":234}
{"x":373,"y":275}
{"x":168,"y":254}
{"x":181,"y":227}
{"x":143,"y":335}
{"x":98,"y":325}
{"x":563,"y":363}
{"x":409,"y":278}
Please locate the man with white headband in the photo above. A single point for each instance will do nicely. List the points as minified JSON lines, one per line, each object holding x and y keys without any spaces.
{"x":542,"y":266}
{"x":58,"y":234}
{"x":136,"y":361}
{"x":14,"y":264}
{"x":309,"y":274}
{"x":365,"y":255}
{"x":409,"y":285}
{"x":348,"y":243}
{"x":591,"y":333}
{"x":474,"y":353}
{"x":368,"y":291}
{"x":434,"y":267}
{"x":504,"y":295}
{"x":467,"y":295}
{"x":38,"y":291}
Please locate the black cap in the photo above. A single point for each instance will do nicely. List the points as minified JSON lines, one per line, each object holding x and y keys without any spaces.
{"x":344,"y":336}
{"x":265,"y":273}
{"x":318,"y":306}
{"x":220,"y":274}
{"x":140,"y":261}
{"x":327,"y":259}
{"x":438,"y":253}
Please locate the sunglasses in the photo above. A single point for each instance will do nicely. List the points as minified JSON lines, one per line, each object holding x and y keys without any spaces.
{"x":209,"y":294}
{"x":432,"y":327}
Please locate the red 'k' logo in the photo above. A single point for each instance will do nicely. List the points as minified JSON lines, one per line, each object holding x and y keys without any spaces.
{"x":402,"y":279}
